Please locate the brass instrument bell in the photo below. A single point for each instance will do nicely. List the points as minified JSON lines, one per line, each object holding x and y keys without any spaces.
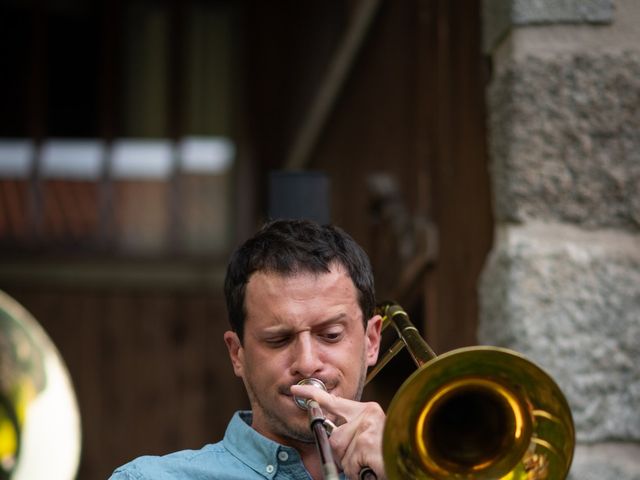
{"x":39,"y":419}
{"x":474,"y":413}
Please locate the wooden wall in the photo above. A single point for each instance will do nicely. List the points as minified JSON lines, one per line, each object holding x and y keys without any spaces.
{"x":150,"y":368}
{"x":148,"y":361}
{"x":412,"y":108}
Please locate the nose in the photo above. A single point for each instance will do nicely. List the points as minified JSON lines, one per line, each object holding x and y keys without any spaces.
{"x":306,"y":361}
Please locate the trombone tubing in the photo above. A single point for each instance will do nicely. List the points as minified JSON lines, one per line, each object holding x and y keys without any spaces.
{"x":408,"y":336}
{"x":316,"y":424}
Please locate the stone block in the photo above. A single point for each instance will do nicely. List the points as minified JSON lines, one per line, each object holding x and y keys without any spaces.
{"x":565,"y":139}
{"x":606,"y":461}
{"x":570,"y":301}
{"x":499,"y":16}
{"x":525,"y":12}
{"x":496,"y":22}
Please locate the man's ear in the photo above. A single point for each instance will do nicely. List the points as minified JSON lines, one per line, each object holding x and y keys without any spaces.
{"x":236,"y":352}
{"x":373,"y":335}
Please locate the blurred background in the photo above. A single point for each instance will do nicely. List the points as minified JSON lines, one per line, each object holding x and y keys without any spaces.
{"x":141,"y":141}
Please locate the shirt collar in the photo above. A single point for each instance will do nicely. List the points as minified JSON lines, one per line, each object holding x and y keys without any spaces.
{"x":252,"y":448}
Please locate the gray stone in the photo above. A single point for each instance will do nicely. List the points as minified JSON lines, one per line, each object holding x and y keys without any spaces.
{"x":565,"y":140}
{"x":496,"y":22}
{"x":561,"y":11}
{"x":570,"y":300}
{"x":606,"y":461}
{"x":498,"y":16}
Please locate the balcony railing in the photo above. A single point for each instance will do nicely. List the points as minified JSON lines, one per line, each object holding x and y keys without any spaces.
{"x":128,"y":197}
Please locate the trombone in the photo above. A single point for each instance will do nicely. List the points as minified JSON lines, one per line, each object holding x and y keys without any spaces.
{"x":472,"y":413}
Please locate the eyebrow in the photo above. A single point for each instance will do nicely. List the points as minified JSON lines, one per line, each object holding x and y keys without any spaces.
{"x":284,"y":330}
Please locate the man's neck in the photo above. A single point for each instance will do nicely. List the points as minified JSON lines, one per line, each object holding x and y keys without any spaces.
{"x":308,"y":451}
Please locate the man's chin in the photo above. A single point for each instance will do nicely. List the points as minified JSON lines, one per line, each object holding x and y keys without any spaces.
{"x":301,"y":436}
{"x":295,"y":428}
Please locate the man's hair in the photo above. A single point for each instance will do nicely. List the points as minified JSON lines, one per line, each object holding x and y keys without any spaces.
{"x":289,"y":247}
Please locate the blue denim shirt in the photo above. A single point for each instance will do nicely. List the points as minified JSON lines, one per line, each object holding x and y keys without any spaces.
{"x":243,"y":454}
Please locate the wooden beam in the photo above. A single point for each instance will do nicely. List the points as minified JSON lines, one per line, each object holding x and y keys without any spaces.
{"x":330,"y":87}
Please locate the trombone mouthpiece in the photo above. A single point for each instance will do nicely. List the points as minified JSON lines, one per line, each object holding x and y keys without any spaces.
{"x":303,"y":403}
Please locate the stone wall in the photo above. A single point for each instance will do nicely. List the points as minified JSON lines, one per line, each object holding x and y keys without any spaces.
{"x":562,"y":284}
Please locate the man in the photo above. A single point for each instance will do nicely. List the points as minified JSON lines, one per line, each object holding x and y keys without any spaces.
{"x":301,"y":299}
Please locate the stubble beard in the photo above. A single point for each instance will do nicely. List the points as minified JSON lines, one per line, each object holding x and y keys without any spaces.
{"x":276,"y":423}
{"x":285,"y":427}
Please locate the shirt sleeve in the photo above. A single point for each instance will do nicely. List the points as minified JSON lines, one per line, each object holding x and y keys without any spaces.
{"x":121,"y":474}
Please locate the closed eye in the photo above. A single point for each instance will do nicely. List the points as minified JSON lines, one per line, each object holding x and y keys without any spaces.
{"x":276,"y":342}
{"x":332,"y":336}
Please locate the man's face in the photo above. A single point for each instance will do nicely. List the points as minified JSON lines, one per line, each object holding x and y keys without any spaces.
{"x":300,"y":326}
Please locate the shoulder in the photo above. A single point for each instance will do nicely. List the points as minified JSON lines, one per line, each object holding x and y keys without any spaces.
{"x":178,"y":465}
{"x":241,"y":455}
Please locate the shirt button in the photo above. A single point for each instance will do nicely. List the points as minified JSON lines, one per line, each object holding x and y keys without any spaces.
{"x":283,"y":456}
{"x":270,"y":468}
